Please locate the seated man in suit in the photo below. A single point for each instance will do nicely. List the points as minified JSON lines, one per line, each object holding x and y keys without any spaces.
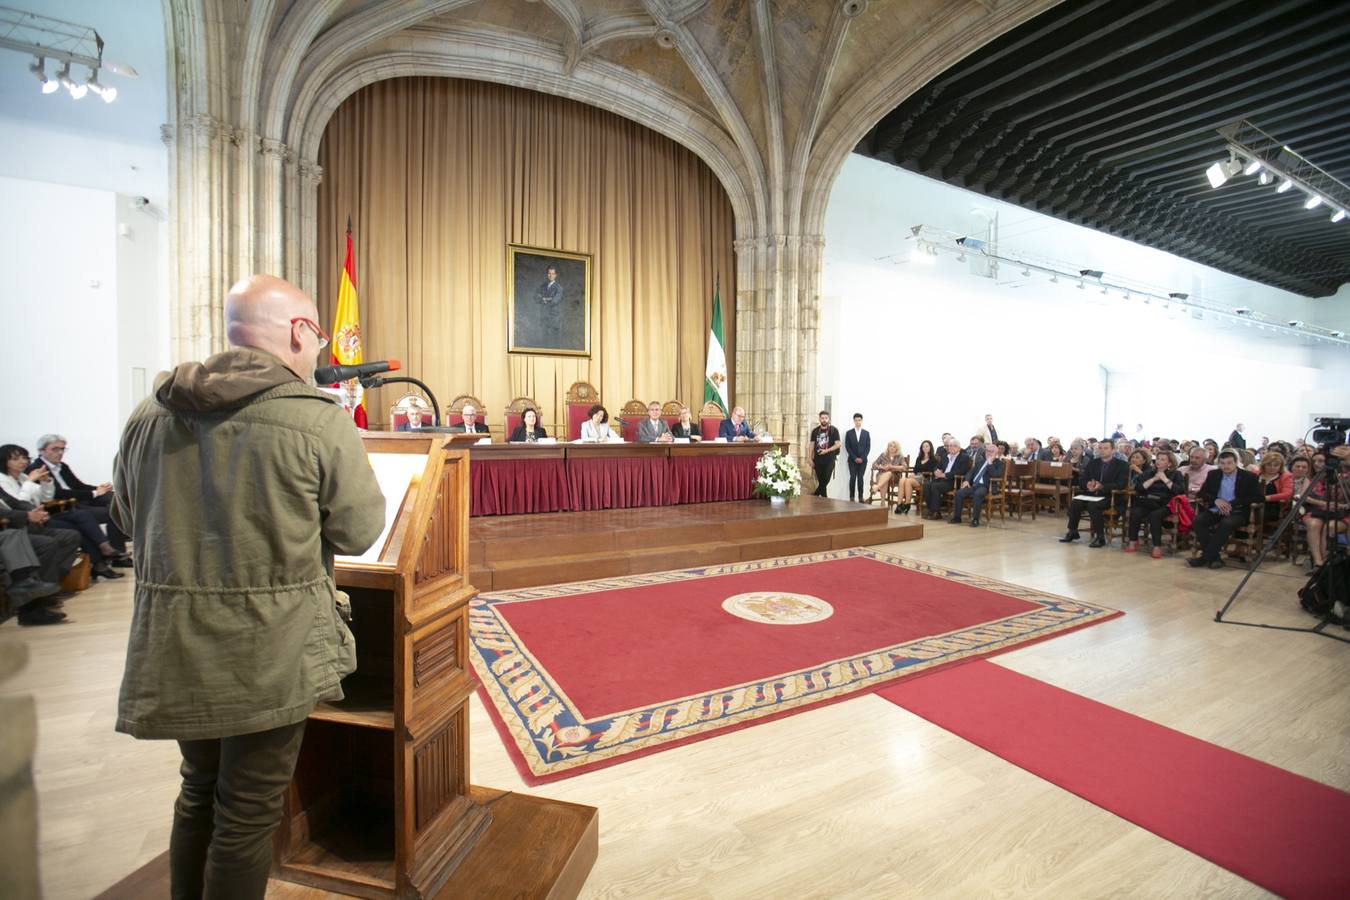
{"x":97,"y":499}
{"x":654,"y":429}
{"x":1100,"y":478}
{"x":36,"y":558}
{"x":984,"y":479}
{"x":1224,"y":502}
{"x":469,"y":422}
{"x":951,"y":464}
{"x":736,"y":428}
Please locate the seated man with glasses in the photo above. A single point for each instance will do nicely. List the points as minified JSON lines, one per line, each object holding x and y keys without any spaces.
{"x":97,"y":499}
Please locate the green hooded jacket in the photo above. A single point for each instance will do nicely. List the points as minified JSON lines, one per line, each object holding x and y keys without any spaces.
{"x":238,"y":482}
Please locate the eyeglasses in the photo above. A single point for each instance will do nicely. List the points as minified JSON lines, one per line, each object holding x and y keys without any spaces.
{"x":318,"y":332}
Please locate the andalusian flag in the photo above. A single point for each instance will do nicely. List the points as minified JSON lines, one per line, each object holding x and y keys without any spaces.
{"x":347,"y":334}
{"x":715,"y":382}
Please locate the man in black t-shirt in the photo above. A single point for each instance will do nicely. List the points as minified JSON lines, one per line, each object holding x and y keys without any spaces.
{"x":824,"y":452}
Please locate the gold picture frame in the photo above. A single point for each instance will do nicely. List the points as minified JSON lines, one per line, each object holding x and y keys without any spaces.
{"x":548,"y":316}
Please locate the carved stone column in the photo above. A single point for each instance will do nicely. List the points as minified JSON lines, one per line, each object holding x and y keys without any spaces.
{"x":311,"y":175}
{"x":269,"y":248}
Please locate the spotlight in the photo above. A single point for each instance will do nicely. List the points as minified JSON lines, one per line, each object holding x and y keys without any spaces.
{"x":1338,"y":215}
{"x":109,"y":94}
{"x":1295,"y":323}
{"x":1054,"y":279}
{"x":1242,"y":311}
{"x":970,"y":243}
{"x":1026,"y":273}
{"x":77,"y":91}
{"x":1090,"y":273}
{"x":1252,"y":167}
{"x":1265,"y":177}
{"x":1338,"y":334}
{"x":1313,"y":201}
{"x":1285,"y":185}
{"x":1177,"y":295}
{"x":1220,"y":172}
{"x":39,"y":70}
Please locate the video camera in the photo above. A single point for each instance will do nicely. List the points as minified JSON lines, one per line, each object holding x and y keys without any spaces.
{"x":1332,"y":433}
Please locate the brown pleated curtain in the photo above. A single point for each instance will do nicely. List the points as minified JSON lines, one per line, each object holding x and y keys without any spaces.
{"x":438,"y":175}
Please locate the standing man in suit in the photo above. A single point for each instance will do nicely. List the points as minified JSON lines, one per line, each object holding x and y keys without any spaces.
{"x":951,"y":464}
{"x":550,"y":300}
{"x":654,"y":429}
{"x":469,"y":422}
{"x":989,"y":432}
{"x":95,"y":498}
{"x":858,"y":448}
{"x":736,"y":428}
{"x":1225,"y":501}
{"x":1100,"y":477}
{"x":824,"y":453}
{"x":1236,"y":439}
{"x":984,"y":478}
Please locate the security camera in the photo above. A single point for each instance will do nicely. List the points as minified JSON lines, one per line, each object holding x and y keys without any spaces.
{"x":140,"y":202}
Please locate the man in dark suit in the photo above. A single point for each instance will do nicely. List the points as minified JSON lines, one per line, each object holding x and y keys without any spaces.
{"x":984,"y":479}
{"x":1101,"y":476}
{"x":858,"y":448}
{"x":736,"y":428}
{"x":824,"y":453}
{"x":469,"y":423}
{"x":97,"y":499}
{"x":1225,"y":502}
{"x":952,"y":463}
{"x":1236,"y":439}
{"x":36,"y":558}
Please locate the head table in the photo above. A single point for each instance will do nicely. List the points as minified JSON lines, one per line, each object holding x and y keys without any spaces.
{"x":509,"y":479}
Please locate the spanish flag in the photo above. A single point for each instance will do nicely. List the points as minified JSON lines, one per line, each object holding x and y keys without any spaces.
{"x":346,"y":346}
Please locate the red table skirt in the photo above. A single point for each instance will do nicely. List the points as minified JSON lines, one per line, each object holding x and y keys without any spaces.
{"x":706,"y":480}
{"x":617,"y":483}
{"x":501,"y":487}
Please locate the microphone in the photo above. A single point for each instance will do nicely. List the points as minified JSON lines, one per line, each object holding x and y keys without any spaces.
{"x":334,"y":374}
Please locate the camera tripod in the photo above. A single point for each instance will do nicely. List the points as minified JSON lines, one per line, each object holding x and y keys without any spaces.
{"x":1334,"y":555}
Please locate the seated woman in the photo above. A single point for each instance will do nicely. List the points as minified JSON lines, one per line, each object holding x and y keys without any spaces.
{"x":1154,"y":487}
{"x":889,"y":467}
{"x":926,"y":462}
{"x":1326,"y":515}
{"x":28,"y":491}
{"x":685,"y":428}
{"x":1057,"y":452}
{"x":529,"y":430}
{"x":596,"y":427}
{"x":1211,"y":452}
{"x":1277,"y":483}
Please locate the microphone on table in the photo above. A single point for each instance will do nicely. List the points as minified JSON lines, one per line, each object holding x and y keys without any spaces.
{"x":334,"y":374}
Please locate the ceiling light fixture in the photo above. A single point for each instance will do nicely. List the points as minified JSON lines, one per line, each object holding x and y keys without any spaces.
{"x":1285,"y":185}
{"x":1338,"y":215}
{"x":39,"y":70}
{"x":1265,"y":177}
{"x":1252,"y":167}
{"x":77,"y":91}
{"x":109,"y":94}
{"x":1312,"y":202}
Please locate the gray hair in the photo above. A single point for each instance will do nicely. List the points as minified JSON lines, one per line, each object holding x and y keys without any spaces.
{"x":46,"y":439}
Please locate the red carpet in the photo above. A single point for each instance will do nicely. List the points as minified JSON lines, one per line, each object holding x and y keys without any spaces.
{"x":1282,"y":831}
{"x":592,"y":673}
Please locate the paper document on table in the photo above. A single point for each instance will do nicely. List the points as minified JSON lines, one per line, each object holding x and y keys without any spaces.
{"x":1088,"y":497}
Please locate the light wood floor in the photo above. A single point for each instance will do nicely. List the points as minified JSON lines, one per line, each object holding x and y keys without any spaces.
{"x":859,"y":799}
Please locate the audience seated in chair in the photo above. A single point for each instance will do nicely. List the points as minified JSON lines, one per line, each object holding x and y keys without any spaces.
{"x":33,"y":560}
{"x":1326,"y":514}
{"x":1102,"y":477}
{"x":985,"y":477}
{"x":1196,"y":470}
{"x":1154,"y":487}
{"x":1225,"y":503}
{"x":596,"y":430}
{"x":684,"y":426}
{"x":952,"y":464}
{"x":529,"y":430}
{"x":888,"y":470}
{"x":28,"y":491}
{"x":97,"y":499}
{"x":468,"y":421}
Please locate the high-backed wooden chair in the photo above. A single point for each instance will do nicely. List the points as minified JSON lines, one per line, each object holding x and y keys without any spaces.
{"x":515,"y":410}
{"x":454,"y":415}
{"x":670,"y":412}
{"x":997,"y":498}
{"x":633,"y":412}
{"x":581,"y":396}
{"x":1019,"y":487}
{"x":891,"y":495}
{"x":1116,"y":516}
{"x":1053,"y":484}
{"x":710,"y":420}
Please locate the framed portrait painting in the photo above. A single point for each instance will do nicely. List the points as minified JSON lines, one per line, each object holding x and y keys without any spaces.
{"x":548,"y":301}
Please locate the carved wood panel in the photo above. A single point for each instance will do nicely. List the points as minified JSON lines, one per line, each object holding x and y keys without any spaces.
{"x":435,"y":655}
{"x":438,"y":545}
{"x":436,"y":773}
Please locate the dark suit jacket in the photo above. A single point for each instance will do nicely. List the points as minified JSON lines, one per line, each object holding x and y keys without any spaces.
{"x":460,"y":429}
{"x":1237,"y":440}
{"x":518,"y":433}
{"x":960,"y":467}
{"x":729,"y":431}
{"x":1247,"y":491}
{"x":854,"y":448}
{"x":985,"y":474}
{"x":677,"y":430}
{"x":75,"y":489}
{"x":1114,"y":474}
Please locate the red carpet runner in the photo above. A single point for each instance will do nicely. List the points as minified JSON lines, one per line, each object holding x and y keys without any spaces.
{"x":593,"y":673}
{"x":1282,"y":831}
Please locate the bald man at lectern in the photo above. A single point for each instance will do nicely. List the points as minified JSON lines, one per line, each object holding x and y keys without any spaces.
{"x":239,"y":481}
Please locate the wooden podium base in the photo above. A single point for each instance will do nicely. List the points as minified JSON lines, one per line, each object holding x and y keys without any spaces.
{"x":534,"y":848}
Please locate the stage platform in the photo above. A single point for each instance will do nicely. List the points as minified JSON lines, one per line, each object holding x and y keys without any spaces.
{"x":550,"y":548}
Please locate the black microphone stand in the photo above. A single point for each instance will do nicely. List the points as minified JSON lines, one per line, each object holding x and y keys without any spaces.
{"x":373,"y":381}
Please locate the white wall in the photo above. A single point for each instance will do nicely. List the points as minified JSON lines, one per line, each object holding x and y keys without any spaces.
{"x":81,"y":304}
{"x":922,"y":348}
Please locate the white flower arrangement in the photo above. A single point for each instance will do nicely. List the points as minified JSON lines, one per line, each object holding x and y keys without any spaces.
{"x":777,"y":475}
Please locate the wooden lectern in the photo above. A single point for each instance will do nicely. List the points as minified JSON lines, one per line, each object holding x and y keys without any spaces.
{"x":381,"y":805}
